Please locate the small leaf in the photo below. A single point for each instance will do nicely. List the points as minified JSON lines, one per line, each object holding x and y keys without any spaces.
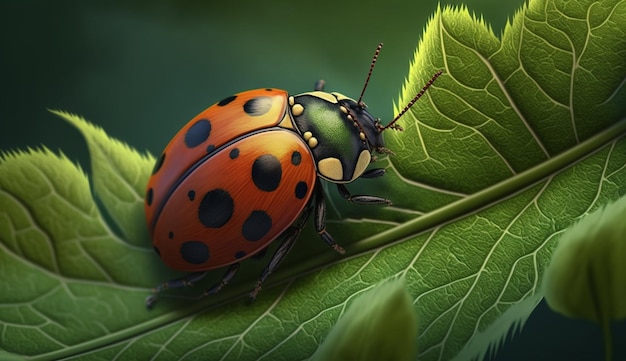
{"x":120,"y":175}
{"x":379,"y":325}
{"x":587,"y":273}
{"x":586,"y":278}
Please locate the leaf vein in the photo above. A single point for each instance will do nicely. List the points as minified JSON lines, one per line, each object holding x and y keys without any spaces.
{"x":35,"y":225}
{"x":486,"y":62}
{"x":138,"y":197}
{"x":258,"y":319}
{"x":172,"y":337}
{"x":481,"y":270}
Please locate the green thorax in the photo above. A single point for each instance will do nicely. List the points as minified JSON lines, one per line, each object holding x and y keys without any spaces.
{"x":336,"y":141}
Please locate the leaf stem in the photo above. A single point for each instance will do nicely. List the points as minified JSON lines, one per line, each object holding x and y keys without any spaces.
{"x":608,"y":339}
{"x":602,"y":313}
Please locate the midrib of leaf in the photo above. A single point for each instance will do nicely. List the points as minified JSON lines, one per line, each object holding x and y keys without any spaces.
{"x":492,"y":194}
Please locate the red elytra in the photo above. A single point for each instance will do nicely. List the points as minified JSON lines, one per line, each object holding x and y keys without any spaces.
{"x":214,"y":219}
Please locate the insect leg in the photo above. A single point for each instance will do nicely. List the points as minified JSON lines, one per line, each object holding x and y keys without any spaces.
{"x":374,"y":173}
{"x":320,"y":219}
{"x":230,"y":273}
{"x":290,"y":239}
{"x":290,"y":236}
{"x":361,"y":199}
{"x":186,"y":281}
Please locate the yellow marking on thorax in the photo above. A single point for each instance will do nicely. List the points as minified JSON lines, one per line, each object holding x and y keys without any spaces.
{"x":286,"y":122}
{"x":330,"y":168}
{"x":326,"y":96}
{"x":361,"y":164}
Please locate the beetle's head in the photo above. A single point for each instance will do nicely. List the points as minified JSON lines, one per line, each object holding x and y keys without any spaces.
{"x":371,"y":126}
{"x":368,"y":124}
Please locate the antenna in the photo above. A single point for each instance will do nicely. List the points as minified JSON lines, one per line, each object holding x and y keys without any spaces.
{"x":415,"y":98}
{"x":367,"y":80}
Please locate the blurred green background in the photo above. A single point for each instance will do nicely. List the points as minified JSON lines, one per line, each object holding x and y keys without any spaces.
{"x":141,"y":69}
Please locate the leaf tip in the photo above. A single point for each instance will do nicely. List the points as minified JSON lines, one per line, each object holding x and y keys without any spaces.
{"x":381,"y":324}
{"x":586,"y":274}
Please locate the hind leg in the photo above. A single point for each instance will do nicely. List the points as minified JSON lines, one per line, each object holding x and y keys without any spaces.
{"x":291,"y":235}
{"x":189,"y":281}
{"x":289,"y":239}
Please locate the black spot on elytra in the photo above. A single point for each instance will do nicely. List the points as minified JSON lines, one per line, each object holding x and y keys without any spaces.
{"x":268,"y":89}
{"x":198,"y":133}
{"x":225,"y":101}
{"x":240,"y":254}
{"x":210,"y":148}
{"x":159,"y":163}
{"x":216,"y":208}
{"x":301,"y":189}
{"x":149,"y":196}
{"x":191,"y":195}
{"x":234,"y":153}
{"x":258,"y":106}
{"x":194,"y":252}
{"x":296,"y":158}
{"x":266,"y":172}
{"x":256,"y":226}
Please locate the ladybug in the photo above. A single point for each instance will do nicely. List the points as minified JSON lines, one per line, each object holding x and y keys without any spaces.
{"x":247,"y":171}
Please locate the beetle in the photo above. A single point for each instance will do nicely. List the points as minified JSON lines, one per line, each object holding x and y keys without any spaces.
{"x":247,"y":171}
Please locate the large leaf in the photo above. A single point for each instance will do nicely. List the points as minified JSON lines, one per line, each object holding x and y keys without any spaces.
{"x":518,"y":138}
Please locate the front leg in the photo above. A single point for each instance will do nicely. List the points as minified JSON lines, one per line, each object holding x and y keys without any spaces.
{"x":320,"y":219}
{"x":361,"y":199}
{"x":374,"y":173}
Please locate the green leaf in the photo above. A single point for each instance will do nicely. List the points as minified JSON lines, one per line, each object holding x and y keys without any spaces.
{"x":120,"y":175}
{"x":516,"y":140}
{"x":586,"y":276}
{"x":65,"y":276}
{"x":586,"y":273}
{"x":379,"y":325}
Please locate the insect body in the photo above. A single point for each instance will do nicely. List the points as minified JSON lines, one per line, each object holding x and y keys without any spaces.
{"x":246,"y":171}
